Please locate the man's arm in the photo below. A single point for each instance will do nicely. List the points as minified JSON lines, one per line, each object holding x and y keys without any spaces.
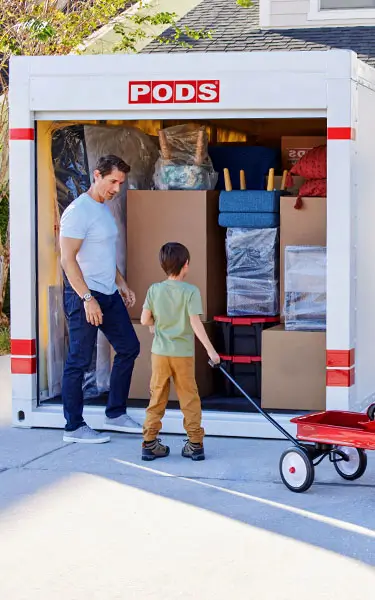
{"x":69,"y":250}
{"x":120,"y":279}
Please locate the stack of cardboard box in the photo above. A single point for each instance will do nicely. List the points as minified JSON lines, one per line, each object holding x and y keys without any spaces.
{"x":293,"y":362}
{"x":191,"y":218}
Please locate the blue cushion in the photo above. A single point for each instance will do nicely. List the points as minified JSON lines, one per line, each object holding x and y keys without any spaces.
{"x":250,"y":201}
{"x":249,"y":220}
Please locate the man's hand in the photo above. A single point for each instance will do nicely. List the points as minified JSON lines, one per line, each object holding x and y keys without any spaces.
{"x":128,"y":295}
{"x":93,"y":312}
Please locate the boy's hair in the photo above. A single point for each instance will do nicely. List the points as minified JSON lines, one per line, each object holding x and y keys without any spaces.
{"x":173,"y":256}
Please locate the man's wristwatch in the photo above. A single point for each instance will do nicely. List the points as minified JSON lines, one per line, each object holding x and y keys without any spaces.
{"x":87,"y":297}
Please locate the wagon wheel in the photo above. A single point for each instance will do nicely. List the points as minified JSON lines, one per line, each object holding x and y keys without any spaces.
{"x":371,"y":412}
{"x":296,"y":470}
{"x":354,"y":467}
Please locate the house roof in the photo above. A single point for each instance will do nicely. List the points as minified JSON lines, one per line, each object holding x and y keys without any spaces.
{"x":237,"y":29}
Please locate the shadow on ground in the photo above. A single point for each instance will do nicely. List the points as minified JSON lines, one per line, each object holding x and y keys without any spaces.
{"x":233,"y":507}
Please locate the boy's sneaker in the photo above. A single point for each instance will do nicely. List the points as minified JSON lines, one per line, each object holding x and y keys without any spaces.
{"x":86,"y":435}
{"x":193,"y":451}
{"x":154,"y":449}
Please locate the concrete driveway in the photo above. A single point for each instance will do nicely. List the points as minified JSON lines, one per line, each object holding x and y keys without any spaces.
{"x":82,"y":522}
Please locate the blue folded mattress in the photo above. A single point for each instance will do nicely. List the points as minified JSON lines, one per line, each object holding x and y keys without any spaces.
{"x":249,"y":220}
{"x":250,"y":201}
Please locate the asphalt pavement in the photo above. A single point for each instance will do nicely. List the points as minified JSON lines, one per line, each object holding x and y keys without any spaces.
{"x":95,"y":522}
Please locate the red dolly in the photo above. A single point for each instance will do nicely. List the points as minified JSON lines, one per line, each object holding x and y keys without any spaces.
{"x":343,"y":437}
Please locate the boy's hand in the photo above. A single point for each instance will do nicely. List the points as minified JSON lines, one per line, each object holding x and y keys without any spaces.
{"x":214,"y":357}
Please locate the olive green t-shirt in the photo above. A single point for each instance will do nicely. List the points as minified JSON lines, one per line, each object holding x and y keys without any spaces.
{"x":172,"y":303}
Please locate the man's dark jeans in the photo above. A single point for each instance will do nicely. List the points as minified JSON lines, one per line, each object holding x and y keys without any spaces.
{"x":119,"y":331}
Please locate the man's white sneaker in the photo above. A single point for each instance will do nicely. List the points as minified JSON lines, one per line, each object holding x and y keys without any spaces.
{"x":86,"y":435}
{"x":123,"y":423}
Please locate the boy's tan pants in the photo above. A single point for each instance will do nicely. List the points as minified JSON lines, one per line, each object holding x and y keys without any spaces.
{"x":182,"y":371}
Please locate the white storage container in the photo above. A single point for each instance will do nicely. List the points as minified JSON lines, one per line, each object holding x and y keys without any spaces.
{"x":333,"y":85}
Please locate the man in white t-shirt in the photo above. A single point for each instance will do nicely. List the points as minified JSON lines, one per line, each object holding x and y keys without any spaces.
{"x":95,"y":296}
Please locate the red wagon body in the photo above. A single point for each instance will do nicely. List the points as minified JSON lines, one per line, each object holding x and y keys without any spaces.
{"x":337,"y":427}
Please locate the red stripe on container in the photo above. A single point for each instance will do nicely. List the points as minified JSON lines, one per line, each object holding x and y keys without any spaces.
{"x":340,"y":377}
{"x":341,"y":133}
{"x":23,"y":366}
{"x":340,"y":358}
{"x":23,"y":347}
{"x":22,"y":134}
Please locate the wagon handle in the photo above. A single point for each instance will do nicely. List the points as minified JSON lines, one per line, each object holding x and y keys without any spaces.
{"x":255,"y":405}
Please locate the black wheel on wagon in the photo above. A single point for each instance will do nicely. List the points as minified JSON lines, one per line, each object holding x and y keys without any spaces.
{"x":296,"y":470}
{"x":354,"y":467}
{"x":371,"y":412}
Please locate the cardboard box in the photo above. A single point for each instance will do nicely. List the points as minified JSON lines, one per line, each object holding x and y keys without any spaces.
{"x":304,"y":227}
{"x":293,"y":369}
{"x":140,"y":386}
{"x":188,"y":217}
{"x":293,"y":148}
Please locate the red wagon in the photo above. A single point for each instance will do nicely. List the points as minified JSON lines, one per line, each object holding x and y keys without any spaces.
{"x":343,"y":437}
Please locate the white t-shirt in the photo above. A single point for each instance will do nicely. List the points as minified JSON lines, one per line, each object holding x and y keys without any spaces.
{"x":90,"y":221}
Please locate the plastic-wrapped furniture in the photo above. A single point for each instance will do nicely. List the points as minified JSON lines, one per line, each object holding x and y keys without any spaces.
{"x":252,"y":272}
{"x":305,"y":288}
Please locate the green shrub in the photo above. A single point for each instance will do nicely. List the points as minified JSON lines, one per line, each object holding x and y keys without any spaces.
{"x":4,"y":341}
{"x":4,"y":218}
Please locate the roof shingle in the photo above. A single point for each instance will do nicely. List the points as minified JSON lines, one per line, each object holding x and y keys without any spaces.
{"x":237,"y":29}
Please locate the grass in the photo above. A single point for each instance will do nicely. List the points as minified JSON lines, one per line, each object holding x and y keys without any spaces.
{"x":4,"y":341}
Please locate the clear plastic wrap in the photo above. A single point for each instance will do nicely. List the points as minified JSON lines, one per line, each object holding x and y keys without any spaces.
{"x":253,"y":253}
{"x":129,"y":143}
{"x":183,"y":177}
{"x":184,"y":163}
{"x":70,"y":165}
{"x":253,"y":272}
{"x":305,"y":288}
{"x":256,"y":297}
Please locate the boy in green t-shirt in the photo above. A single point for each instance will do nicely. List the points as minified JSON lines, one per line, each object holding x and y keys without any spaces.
{"x":172,"y":308}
